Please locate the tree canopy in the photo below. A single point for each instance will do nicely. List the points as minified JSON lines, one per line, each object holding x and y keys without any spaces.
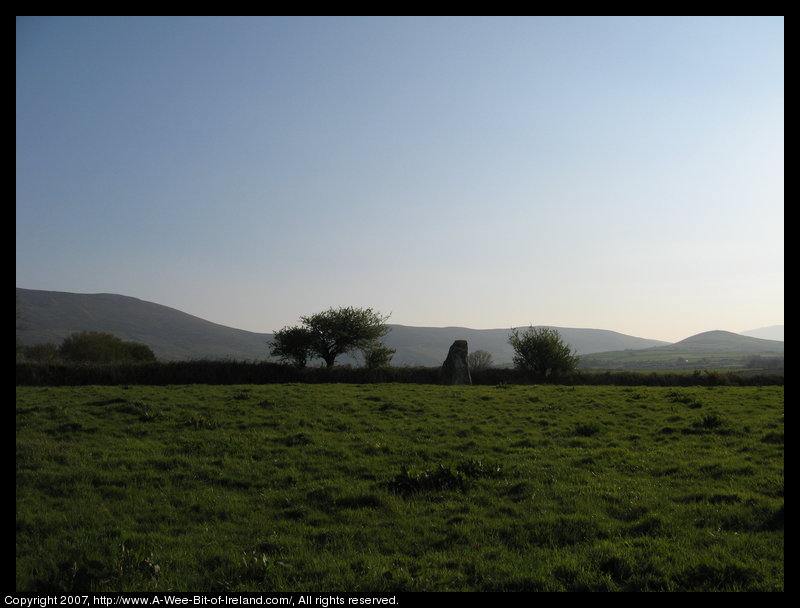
{"x":540,"y":351}
{"x":329,"y":334}
{"x":292,"y":344}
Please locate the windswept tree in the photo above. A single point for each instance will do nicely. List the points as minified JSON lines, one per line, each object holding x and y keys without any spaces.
{"x":293,"y":344}
{"x":540,"y":351}
{"x":344,"y":330}
{"x":332,"y":333}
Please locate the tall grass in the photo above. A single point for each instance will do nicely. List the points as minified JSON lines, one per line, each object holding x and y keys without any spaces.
{"x":399,"y":487}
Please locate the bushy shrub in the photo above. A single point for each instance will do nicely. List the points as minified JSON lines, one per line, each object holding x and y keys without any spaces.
{"x":441,"y":478}
{"x":378,"y":356}
{"x":586,"y":429}
{"x":541,"y":352}
{"x":100,"y":347}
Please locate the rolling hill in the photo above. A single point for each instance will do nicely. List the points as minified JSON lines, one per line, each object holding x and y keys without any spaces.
{"x":429,"y":345}
{"x":709,"y":350}
{"x":773,"y":332}
{"x":50,"y":316}
{"x":724,"y":342}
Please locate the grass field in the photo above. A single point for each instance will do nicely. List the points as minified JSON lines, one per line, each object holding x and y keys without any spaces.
{"x":399,"y":487}
{"x":673,"y":360}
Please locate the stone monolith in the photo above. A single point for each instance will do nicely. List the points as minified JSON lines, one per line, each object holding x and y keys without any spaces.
{"x":455,"y":369}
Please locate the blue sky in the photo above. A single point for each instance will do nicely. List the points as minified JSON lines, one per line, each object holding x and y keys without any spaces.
{"x":619,"y":173}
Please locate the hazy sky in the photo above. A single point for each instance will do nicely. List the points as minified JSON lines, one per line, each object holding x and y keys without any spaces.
{"x":618,"y":173}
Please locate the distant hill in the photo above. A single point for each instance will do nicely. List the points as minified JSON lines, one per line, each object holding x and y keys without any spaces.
{"x":773,"y":332}
{"x":50,"y":316}
{"x":429,"y":345}
{"x":708,"y":350}
{"x":724,"y":342}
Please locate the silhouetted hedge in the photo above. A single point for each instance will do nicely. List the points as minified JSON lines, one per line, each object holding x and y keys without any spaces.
{"x":238,"y":372}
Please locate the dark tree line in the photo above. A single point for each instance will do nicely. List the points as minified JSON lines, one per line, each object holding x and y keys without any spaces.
{"x":88,"y":347}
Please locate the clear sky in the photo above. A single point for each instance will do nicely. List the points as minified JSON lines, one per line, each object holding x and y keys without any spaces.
{"x":617,"y":173}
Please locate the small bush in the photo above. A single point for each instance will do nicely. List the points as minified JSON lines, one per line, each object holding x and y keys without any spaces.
{"x":99,"y":347}
{"x":541,"y":352}
{"x":710,"y":422}
{"x":586,"y":429}
{"x":200,"y":422}
{"x":442,"y":478}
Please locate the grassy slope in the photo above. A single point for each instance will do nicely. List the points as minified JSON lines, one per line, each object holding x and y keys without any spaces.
{"x":49,"y":317}
{"x":399,"y":487}
{"x":709,"y":350}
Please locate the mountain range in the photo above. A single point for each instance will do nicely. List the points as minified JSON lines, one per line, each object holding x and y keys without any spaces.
{"x":51,"y":316}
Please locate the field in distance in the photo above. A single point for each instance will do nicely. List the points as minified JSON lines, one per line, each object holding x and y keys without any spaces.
{"x":395,"y":487}
{"x":717,"y":350}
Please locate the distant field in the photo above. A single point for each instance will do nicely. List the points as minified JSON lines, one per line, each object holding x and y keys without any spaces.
{"x":713,"y":350}
{"x":392,"y":487}
{"x":656,"y":360}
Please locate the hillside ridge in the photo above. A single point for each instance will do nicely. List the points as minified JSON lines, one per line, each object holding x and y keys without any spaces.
{"x":50,"y":316}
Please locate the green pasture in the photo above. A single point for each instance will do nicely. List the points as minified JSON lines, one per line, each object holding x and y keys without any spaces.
{"x":399,"y":487}
{"x":675,"y":360}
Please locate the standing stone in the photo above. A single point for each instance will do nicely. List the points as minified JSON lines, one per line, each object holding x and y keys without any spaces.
{"x":455,"y":369}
